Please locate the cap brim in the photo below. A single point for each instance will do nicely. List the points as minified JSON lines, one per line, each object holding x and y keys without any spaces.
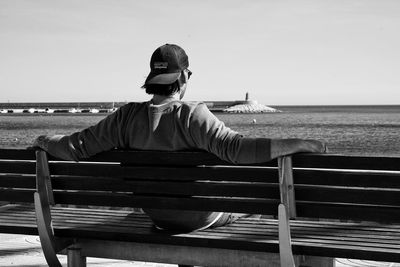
{"x":165,"y":78}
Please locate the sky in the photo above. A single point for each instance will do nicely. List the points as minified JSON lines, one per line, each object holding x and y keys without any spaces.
{"x":286,"y":52}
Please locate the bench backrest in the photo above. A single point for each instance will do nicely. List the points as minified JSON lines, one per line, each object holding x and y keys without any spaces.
{"x":326,"y":186}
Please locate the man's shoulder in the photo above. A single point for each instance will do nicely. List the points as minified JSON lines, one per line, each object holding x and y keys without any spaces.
{"x":192,"y":105}
{"x":195,"y":110}
{"x":131,"y":105}
{"x":136,"y":103}
{"x":130,"y":109}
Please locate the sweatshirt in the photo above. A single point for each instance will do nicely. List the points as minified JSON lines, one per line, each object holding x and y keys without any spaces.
{"x":173,"y":126}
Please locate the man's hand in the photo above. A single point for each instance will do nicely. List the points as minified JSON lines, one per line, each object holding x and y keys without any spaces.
{"x":40,"y":142}
{"x":314,"y":146}
{"x":283,"y":147}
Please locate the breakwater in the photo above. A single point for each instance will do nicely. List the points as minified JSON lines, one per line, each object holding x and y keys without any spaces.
{"x":59,"y":107}
{"x":94,"y":107}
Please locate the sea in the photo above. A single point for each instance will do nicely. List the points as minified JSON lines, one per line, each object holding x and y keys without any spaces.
{"x":347,"y":130}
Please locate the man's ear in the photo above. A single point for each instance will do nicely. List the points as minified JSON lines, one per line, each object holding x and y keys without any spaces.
{"x":182,"y":85}
{"x":182,"y":79}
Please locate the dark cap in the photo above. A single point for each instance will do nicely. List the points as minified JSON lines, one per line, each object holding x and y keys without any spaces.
{"x":167,"y":64}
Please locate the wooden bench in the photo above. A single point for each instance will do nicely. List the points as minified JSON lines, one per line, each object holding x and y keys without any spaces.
{"x":339,"y":206}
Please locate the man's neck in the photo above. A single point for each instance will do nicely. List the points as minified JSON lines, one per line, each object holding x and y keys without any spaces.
{"x":162,"y":99}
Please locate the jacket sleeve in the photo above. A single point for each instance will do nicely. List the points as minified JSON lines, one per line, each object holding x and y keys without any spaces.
{"x":105,"y":135}
{"x":211,"y":134}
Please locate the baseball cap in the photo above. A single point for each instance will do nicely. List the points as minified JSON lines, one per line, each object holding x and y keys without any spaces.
{"x":166,"y":64}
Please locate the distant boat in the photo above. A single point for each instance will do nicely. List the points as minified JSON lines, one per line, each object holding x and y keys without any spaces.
{"x":74,"y":110}
{"x":94,"y":110}
{"x":37,"y":110}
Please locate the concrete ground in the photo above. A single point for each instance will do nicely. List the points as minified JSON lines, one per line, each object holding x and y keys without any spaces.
{"x":25,"y":251}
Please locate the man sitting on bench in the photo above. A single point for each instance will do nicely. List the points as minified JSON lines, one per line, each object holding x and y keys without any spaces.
{"x":169,"y":124}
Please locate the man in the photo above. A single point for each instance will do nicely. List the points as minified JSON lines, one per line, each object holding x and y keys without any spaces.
{"x":167,"y":123}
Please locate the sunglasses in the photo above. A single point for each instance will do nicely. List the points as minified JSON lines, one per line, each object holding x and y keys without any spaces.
{"x":189,"y":73}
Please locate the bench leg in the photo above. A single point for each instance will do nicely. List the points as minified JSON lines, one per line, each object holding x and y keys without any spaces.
{"x":74,"y":258}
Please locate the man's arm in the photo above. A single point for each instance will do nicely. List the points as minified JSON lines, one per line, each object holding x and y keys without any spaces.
{"x":103,"y":136}
{"x":210,"y":134}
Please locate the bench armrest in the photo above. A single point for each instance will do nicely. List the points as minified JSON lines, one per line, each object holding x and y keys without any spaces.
{"x":43,"y":198}
{"x":286,"y":210}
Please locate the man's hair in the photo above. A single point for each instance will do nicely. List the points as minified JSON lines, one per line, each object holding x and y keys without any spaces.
{"x":165,"y":89}
{"x":162,"y":89}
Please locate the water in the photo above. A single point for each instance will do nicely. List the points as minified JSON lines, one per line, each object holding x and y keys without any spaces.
{"x":351,"y":130}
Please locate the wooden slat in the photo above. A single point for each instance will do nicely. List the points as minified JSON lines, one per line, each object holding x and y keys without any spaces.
{"x":189,"y":203}
{"x":300,"y":160}
{"x":308,"y":193}
{"x":227,"y":189}
{"x":189,"y":158}
{"x":131,"y":157}
{"x":83,"y":213}
{"x":348,"y":178}
{"x":315,"y":177}
{"x":373,"y":196}
{"x":21,"y":167}
{"x":383,"y":214}
{"x":16,"y":195}
{"x":346,"y":162}
{"x":234,"y":173}
{"x":17,"y":154}
{"x":17,"y":181}
{"x":192,"y":158}
{"x":18,"y":229}
{"x":305,"y":230}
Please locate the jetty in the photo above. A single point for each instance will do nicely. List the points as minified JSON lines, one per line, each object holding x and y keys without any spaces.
{"x":59,"y":107}
{"x":237,"y":106}
{"x":249,"y":106}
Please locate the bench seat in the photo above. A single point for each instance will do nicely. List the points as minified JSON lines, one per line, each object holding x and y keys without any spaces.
{"x":319,"y":238}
